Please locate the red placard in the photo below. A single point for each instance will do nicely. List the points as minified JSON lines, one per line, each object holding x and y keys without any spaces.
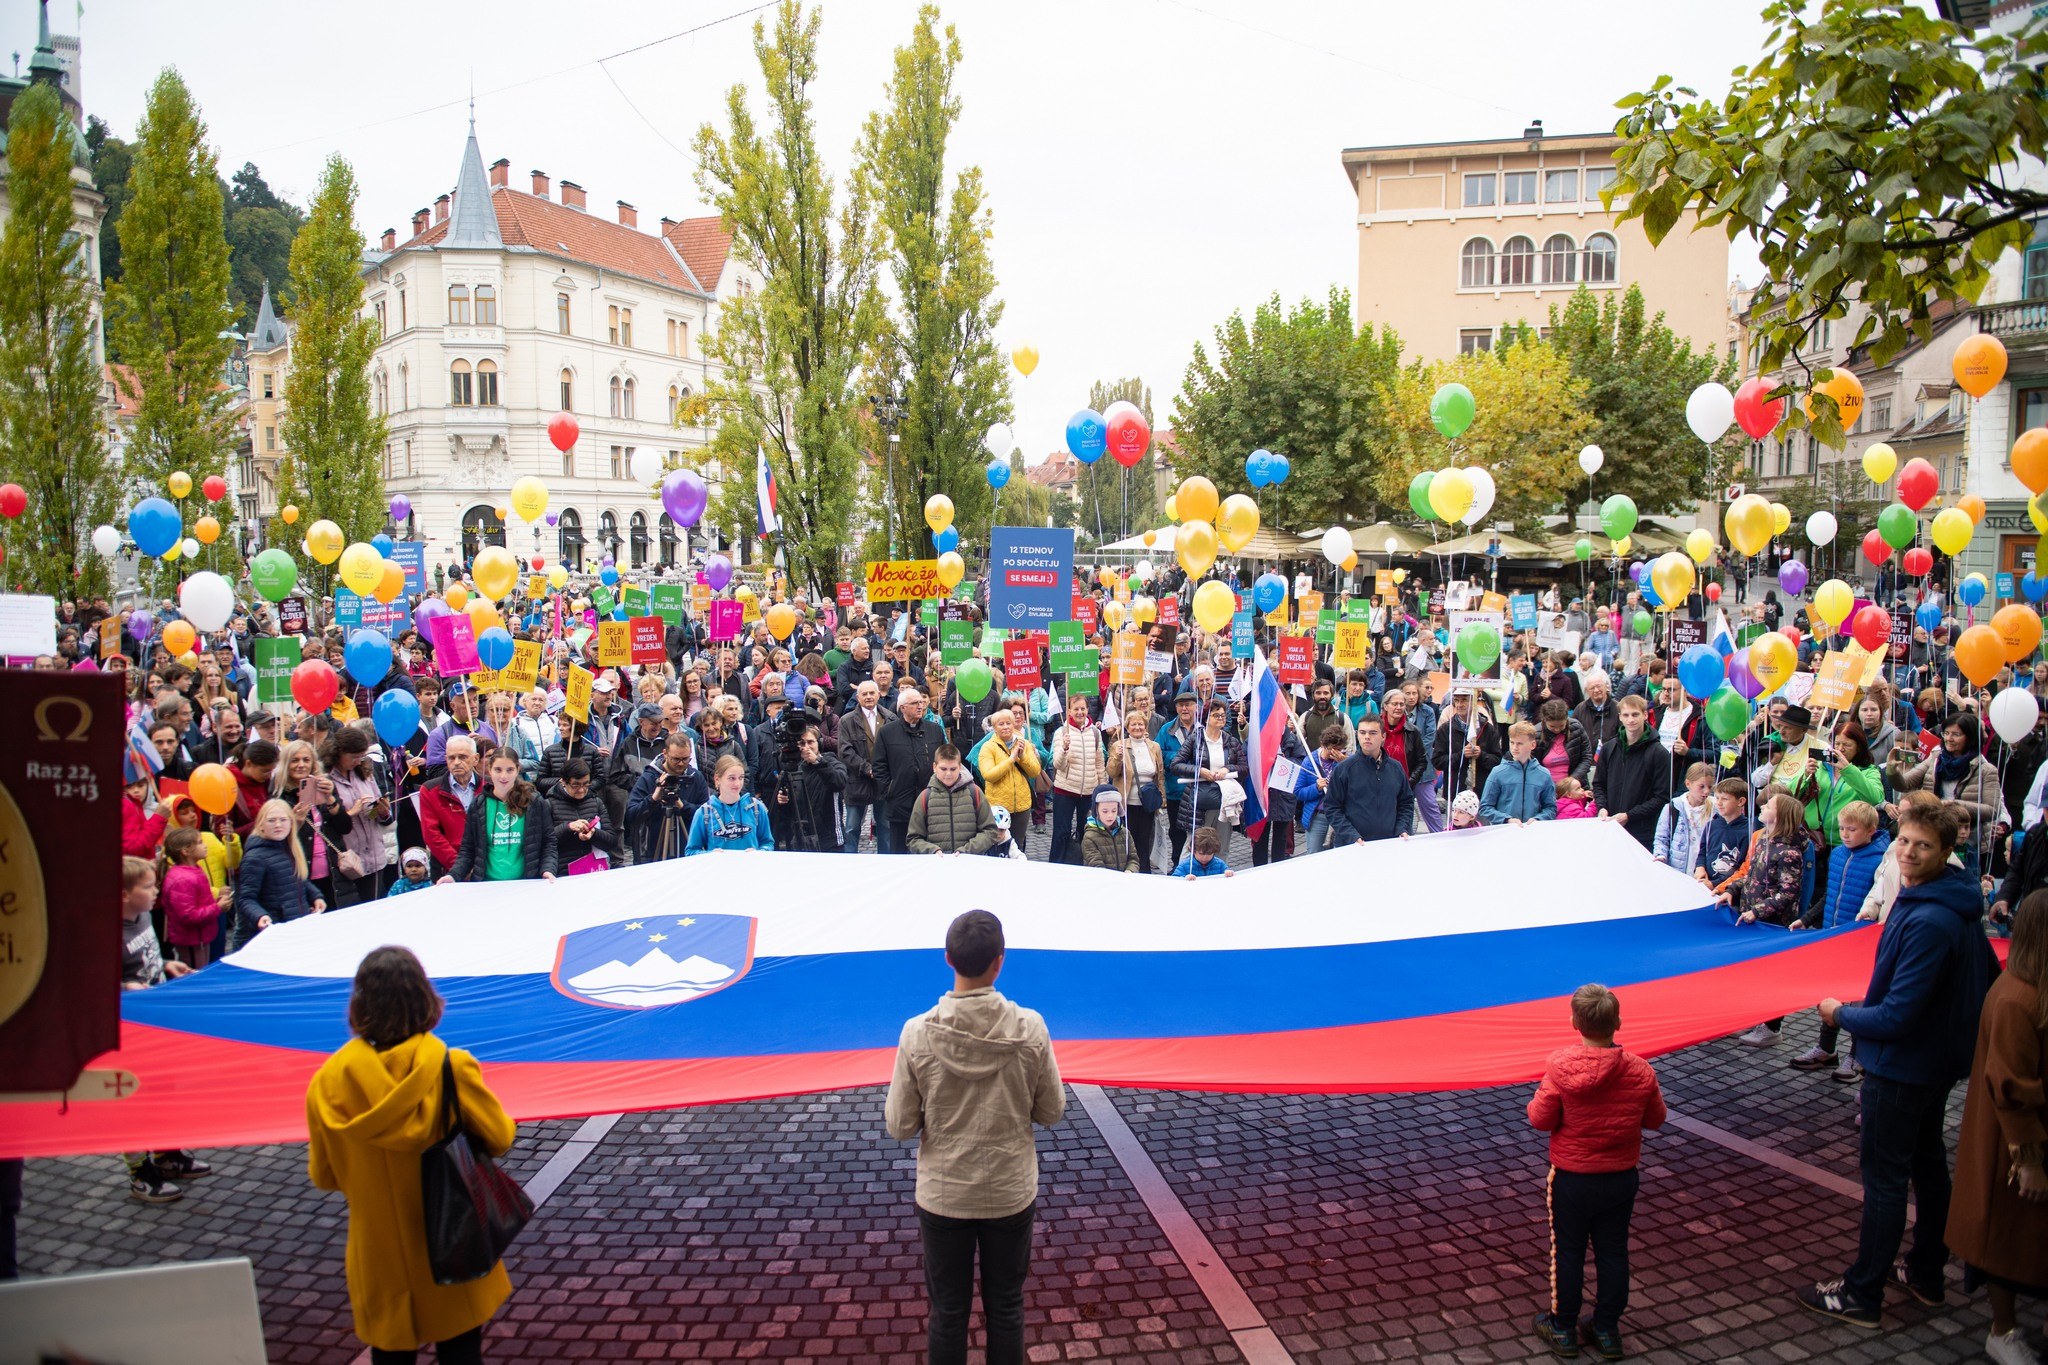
{"x":1085,"y":613}
{"x":645,"y":632}
{"x":1020,"y":664}
{"x":1169,"y":611}
{"x":846,"y":594}
{"x":1295,"y":659}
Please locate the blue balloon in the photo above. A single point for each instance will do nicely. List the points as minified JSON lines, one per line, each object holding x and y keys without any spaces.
{"x":998,"y":473}
{"x":1969,"y":592}
{"x":1268,"y":592}
{"x":1701,"y":671}
{"x":608,"y":575}
{"x":1639,"y":571}
{"x":1281,"y":469}
{"x":1927,"y":616}
{"x":381,"y":543}
{"x":794,"y":687}
{"x":1649,"y":591}
{"x":1258,"y":467}
{"x":2034,"y":588}
{"x":948,"y":539}
{"x":396,"y":716}
{"x":155,"y":526}
{"x":368,"y":656}
{"x":494,"y":647}
{"x":1087,"y":435}
{"x":619,"y":614}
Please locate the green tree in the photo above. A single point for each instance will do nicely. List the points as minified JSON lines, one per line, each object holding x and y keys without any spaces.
{"x":52,"y":441}
{"x":1116,"y":501}
{"x":111,"y":159}
{"x":1531,"y":422}
{"x":940,"y":343}
{"x":170,"y":312}
{"x":1840,"y":488}
{"x":1637,"y":375}
{"x":260,"y":252}
{"x":333,"y":439}
{"x":791,"y":351}
{"x":1870,"y":153}
{"x":1306,"y":384}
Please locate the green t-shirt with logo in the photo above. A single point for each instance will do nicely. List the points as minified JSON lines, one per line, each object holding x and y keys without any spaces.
{"x":505,"y":860}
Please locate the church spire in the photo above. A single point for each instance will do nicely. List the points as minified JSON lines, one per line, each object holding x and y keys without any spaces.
{"x":474,"y":222}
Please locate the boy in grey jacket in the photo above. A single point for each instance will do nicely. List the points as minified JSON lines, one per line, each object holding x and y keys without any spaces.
{"x":972,"y":1076}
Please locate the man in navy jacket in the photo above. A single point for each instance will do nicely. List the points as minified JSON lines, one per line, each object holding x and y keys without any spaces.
{"x":1370,"y":790}
{"x":1915,"y":1031}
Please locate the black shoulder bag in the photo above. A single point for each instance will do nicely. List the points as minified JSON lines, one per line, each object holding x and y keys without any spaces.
{"x":473,"y":1209}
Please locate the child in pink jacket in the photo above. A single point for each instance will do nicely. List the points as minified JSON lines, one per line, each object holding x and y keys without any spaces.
{"x":191,"y":914}
{"x":1574,"y":802}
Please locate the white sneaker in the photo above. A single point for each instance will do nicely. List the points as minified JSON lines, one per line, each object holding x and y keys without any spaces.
{"x":1763,"y":1035}
{"x":2010,"y":1349}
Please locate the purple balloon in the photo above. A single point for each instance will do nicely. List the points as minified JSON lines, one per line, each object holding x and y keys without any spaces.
{"x":718,"y":572}
{"x":1638,"y":571}
{"x":1739,"y":676}
{"x":401,"y":507}
{"x":428,"y":609}
{"x":683,"y":496}
{"x":554,"y":517}
{"x":139,"y":625}
{"x":1792,"y":577}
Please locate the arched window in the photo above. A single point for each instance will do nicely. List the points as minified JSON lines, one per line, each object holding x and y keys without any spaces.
{"x":460,"y":394}
{"x":638,"y":539}
{"x":1518,"y":262}
{"x":1475,"y":270}
{"x":1601,"y":259}
{"x":568,"y":392}
{"x":480,"y":527}
{"x":404,"y":388}
{"x":458,"y":305}
{"x":1560,"y":260}
{"x":675,"y":401}
{"x":571,"y":528}
{"x":562,"y":314}
{"x":626,"y":407}
{"x":486,"y":384}
{"x":615,"y":395}
{"x":486,"y":306}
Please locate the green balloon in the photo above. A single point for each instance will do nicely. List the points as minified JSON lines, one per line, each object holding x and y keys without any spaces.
{"x":973,"y":680}
{"x":1618,"y":516}
{"x":1583,"y":549}
{"x":1418,"y":494}
{"x":1644,"y":624}
{"x":1897,"y":525}
{"x":1478,"y":647}
{"x":1727,"y":712}
{"x":275,"y":574}
{"x":1450,"y":410}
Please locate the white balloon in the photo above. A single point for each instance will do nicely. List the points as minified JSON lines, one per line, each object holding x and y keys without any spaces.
{"x":1109,"y":414}
{"x":107,"y":541}
{"x":1709,"y":411}
{"x":1392,"y":545}
{"x":190,"y":549}
{"x":1142,"y":571}
{"x":1590,"y":460}
{"x":2013,"y":713}
{"x":1483,"y":494}
{"x":1820,"y":527}
{"x":207,"y":601}
{"x":1336,"y":545}
{"x":646,"y":465}
{"x":999,"y":441}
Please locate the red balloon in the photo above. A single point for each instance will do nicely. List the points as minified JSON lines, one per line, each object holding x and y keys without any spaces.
{"x":1918,"y":483}
{"x":562,"y":430}
{"x":1791,"y":633}
{"x":1713,"y":592}
{"x":215,"y":487}
{"x":315,"y":685}
{"x":1874,"y":548}
{"x":1752,"y":413}
{"x":13,"y":500}
{"x":1128,"y":438}
{"x":1872,"y":626}
{"x":539,"y":562}
{"x":1919,"y":562}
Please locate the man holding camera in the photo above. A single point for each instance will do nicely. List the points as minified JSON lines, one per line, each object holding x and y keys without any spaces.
{"x":665,"y":800}
{"x":811,"y":792}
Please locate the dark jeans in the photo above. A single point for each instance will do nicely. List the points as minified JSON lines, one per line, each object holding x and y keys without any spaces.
{"x":1902,"y":1145}
{"x":10,"y":1208}
{"x":949,"y":1249}
{"x":1275,"y":843}
{"x":1069,"y":815}
{"x":1595,"y":1209}
{"x":1144,"y":829}
{"x":467,"y":1349}
{"x":1176,"y":829}
{"x":360,"y":890}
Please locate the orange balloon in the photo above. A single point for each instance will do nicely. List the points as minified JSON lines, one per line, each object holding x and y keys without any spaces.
{"x":457,"y":596}
{"x":1979,"y":364}
{"x":212,"y":788}
{"x":1196,"y":499}
{"x":2030,"y":459}
{"x":2019,"y":629}
{"x":392,"y":584}
{"x":179,"y":637}
{"x":1971,"y":506}
{"x":1980,"y":653}
{"x":1847,"y":391}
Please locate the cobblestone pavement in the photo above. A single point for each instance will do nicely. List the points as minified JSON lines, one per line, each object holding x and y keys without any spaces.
{"x":1363,"y":1228}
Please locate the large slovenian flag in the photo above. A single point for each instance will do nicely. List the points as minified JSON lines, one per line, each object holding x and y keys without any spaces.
{"x":764,"y":495}
{"x":1261,"y":742}
{"x":1721,"y":638}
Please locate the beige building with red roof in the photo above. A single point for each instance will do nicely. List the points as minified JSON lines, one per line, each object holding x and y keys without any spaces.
{"x":506,"y":306}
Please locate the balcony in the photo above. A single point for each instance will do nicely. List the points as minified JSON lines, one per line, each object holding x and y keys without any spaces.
{"x":2016,"y":324}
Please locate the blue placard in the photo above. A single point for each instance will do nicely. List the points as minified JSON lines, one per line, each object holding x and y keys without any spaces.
{"x":1522,"y":611}
{"x":1030,"y":572}
{"x":348,"y":608}
{"x":411,"y":555}
{"x":1241,"y":635}
{"x":352,"y":611}
{"x":2005,"y":585}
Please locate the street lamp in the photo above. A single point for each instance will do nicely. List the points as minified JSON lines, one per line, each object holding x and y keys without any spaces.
{"x":888,"y":410}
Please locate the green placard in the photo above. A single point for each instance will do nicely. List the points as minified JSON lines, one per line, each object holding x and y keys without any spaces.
{"x":963,"y":591}
{"x":668,"y":601}
{"x":636,"y":601}
{"x":602,"y":599}
{"x":928,"y":615}
{"x":275,"y":660}
{"x":1326,"y":633}
{"x":1358,"y":609}
{"x":956,"y":642}
{"x":1066,"y":635}
{"x":992,"y":643}
{"x":1084,"y":685}
{"x":1086,"y":659}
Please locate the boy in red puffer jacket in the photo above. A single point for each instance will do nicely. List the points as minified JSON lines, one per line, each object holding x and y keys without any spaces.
{"x":1595,"y":1101}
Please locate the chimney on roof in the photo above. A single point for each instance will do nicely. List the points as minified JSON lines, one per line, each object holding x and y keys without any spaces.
{"x":389,"y":241}
{"x":441,"y":209}
{"x":1534,"y":132}
{"x":628,"y":215}
{"x":666,"y":224}
{"x":572,"y":195}
{"x":501,"y":172}
{"x":419,"y":221}
{"x":540,"y":184}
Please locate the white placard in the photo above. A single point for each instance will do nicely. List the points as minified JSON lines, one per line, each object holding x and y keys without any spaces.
{"x":203,"y":1313}
{"x":28,"y":625}
{"x":1285,"y":773}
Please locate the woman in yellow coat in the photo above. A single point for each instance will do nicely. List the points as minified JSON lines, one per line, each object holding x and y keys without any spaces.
{"x":372,"y":1108}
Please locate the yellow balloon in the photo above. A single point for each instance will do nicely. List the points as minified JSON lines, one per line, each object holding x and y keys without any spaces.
{"x":1833,"y":601}
{"x":1215,"y":604}
{"x":495,"y":572}
{"x":1772,"y":660}
{"x":1621,"y":547}
{"x":952,"y":568}
{"x":1196,"y":499}
{"x":529,"y":498}
{"x":179,"y":483}
{"x":206,"y":530}
{"x":1238,"y":523}
{"x":362,"y":568}
{"x":1350,"y":562}
{"x":1115,"y":613}
{"x":1400,"y":575}
{"x":1748,"y":523}
{"x":743,"y":593}
{"x":781,"y":619}
{"x":1450,"y":493}
{"x":1953,"y":528}
{"x":289,"y":515}
{"x":457,"y":597}
{"x":501,"y":512}
{"x":1880,"y":462}
{"x":324,"y":541}
{"x":558,"y":577}
{"x":1781,"y":518}
{"x":1195,"y":545}
{"x":392,"y":584}
{"x":1025,"y":358}
{"x":177,"y":549}
{"x":1144,"y":610}
{"x":482,"y":615}
{"x":1672,"y":576}
{"x":1699,"y":543}
{"x":2034,"y":515}
{"x":1149,"y":537}
{"x":938,"y":512}
{"x":1172,"y":508}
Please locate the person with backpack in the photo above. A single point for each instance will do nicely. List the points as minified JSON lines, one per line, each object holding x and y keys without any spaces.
{"x":952,"y":814}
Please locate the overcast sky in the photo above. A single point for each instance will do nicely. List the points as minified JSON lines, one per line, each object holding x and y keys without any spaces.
{"x":1152,"y":165}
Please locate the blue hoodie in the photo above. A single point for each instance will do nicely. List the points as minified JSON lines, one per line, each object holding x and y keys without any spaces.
{"x":1188,"y":867}
{"x":1917,"y":1024}
{"x":1518,"y":791}
{"x":1850,"y":873}
{"x":1723,"y":846}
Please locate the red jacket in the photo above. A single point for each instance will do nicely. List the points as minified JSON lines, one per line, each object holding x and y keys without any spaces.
{"x":442,"y":817}
{"x":1595,"y":1102}
{"x":191,"y":914}
{"x":141,"y":835}
{"x":249,"y":798}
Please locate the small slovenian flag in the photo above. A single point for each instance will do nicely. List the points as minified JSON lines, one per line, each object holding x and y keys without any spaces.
{"x":1261,"y":743}
{"x":1722,"y":639}
{"x":764,"y":495}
